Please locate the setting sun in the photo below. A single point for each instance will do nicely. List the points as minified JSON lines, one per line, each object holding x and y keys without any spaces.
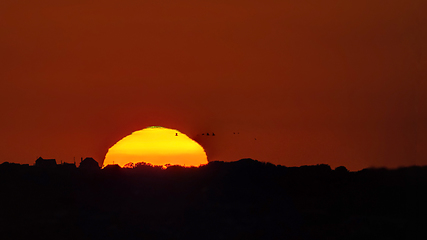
{"x":157,"y":146}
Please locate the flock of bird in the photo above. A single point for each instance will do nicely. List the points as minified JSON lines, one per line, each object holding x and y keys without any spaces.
{"x":213,"y":134}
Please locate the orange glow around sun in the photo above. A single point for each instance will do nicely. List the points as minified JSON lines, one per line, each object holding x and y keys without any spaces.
{"x":157,"y":146}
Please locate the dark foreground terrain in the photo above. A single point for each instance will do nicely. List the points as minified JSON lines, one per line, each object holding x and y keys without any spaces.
{"x":246,"y":199}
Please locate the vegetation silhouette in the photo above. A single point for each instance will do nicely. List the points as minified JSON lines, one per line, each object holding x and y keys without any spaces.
{"x":246,"y":199}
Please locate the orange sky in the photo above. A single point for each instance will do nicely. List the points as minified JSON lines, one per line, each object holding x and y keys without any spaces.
{"x":336,"y":82}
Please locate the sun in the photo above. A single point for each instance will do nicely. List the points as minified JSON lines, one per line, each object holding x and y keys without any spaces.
{"x":157,"y":146}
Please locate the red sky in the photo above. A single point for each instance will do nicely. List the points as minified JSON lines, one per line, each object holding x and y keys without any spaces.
{"x":336,"y":82}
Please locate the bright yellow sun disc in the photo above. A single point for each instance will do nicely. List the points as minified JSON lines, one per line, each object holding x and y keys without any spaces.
{"x":158,"y":146}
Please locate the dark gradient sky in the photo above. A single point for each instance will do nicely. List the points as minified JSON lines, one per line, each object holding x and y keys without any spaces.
{"x":336,"y":82}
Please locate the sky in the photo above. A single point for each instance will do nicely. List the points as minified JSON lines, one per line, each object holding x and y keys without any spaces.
{"x":301,"y":82}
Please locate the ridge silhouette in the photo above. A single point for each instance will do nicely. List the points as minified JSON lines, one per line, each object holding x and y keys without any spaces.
{"x":246,"y":199}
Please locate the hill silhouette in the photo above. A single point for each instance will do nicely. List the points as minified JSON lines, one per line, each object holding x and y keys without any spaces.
{"x":246,"y":199}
